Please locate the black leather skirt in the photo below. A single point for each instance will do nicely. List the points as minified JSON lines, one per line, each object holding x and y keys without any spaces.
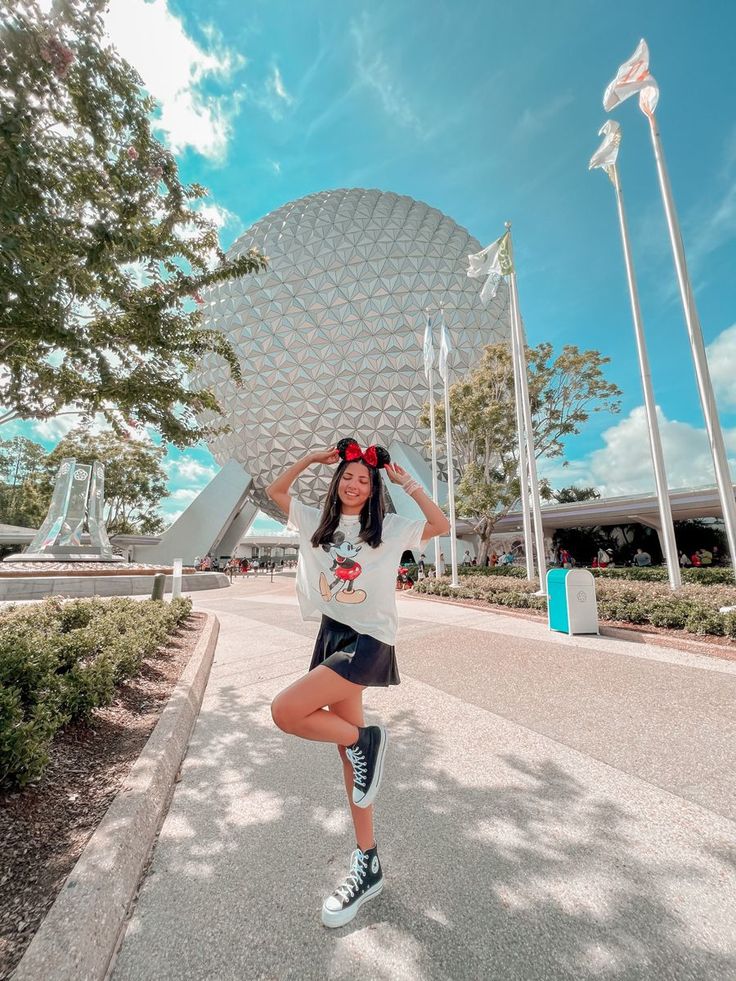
{"x":359,"y":658}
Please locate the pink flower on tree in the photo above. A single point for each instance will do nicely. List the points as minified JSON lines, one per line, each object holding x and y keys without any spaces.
{"x":58,"y":55}
{"x":132,"y":153}
{"x":198,"y":298}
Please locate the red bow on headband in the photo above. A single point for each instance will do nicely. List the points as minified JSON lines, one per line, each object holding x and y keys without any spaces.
{"x":368,"y":456}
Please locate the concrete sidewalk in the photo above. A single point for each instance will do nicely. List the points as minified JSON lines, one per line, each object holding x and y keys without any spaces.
{"x":552,"y":808}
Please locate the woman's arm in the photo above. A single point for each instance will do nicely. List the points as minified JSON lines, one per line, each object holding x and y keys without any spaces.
{"x":278,"y":491}
{"x":437,"y":523}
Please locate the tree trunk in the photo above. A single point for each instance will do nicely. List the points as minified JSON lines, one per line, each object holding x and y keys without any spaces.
{"x":484,"y":529}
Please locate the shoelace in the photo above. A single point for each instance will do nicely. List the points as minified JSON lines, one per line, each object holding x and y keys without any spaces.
{"x":357,"y":760}
{"x":355,"y":876}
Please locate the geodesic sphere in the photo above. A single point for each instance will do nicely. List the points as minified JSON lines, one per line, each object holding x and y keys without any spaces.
{"x":330,"y":338}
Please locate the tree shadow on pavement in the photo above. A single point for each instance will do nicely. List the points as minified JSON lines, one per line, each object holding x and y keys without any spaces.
{"x":505,"y":870}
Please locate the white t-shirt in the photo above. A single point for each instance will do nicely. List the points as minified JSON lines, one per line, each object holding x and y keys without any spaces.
{"x":348,"y":580}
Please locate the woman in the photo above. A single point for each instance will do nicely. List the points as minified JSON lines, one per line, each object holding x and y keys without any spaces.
{"x":348,"y":554}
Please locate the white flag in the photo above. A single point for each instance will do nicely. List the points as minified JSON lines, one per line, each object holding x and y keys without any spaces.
{"x":428,"y":349}
{"x":606,"y":154}
{"x":493,"y":262}
{"x":445,"y":351}
{"x":649,"y":97}
{"x":632,"y":77}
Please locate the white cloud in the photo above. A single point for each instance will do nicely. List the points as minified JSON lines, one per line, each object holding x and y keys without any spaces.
{"x":275,"y":167}
{"x":173,"y":67}
{"x":624,"y":465}
{"x":218,"y":216}
{"x":191,"y":470}
{"x":184,"y":494}
{"x":273,"y":97}
{"x":722,"y":364}
{"x":533,"y":122}
{"x":375,"y":73}
{"x":275,"y":84}
{"x":711,"y":226}
{"x":57,"y":427}
{"x":707,"y":226}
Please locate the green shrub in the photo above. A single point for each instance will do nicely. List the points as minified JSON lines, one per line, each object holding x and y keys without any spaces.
{"x":516,"y":571}
{"x":701,"y":577}
{"x":26,"y":732}
{"x":622,"y":598}
{"x":61,"y":660}
{"x":673,"y":614}
{"x":703,"y":620}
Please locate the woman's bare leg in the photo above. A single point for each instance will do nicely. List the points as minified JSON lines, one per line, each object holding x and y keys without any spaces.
{"x":351,"y":709}
{"x":300,"y":708}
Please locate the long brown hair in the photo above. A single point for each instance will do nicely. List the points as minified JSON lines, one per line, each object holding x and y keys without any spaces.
{"x":371,"y":514}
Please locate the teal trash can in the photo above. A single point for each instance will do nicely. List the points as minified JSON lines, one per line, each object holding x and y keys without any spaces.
{"x":571,"y":603}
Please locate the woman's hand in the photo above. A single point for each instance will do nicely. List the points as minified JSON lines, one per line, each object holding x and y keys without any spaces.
{"x":397,"y":474}
{"x":329,"y":456}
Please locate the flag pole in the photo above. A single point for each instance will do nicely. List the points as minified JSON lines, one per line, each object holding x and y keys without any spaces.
{"x":655,"y":440}
{"x":697,"y":346}
{"x":523,"y":482}
{"x":518,"y":331}
{"x":450,"y":470}
{"x":433,"y":438}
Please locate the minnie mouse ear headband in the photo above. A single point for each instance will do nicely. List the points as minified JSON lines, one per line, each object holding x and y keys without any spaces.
{"x":372,"y":456}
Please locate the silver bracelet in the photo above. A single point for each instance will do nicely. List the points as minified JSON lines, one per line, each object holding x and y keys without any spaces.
{"x":412,"y":486}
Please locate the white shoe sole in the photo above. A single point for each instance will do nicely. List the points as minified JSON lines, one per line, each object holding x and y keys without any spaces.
{"x":330,"y":919}
{"x":372,"y":792}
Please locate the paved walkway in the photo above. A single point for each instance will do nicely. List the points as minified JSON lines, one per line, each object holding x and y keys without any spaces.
{"x":553,"y":808}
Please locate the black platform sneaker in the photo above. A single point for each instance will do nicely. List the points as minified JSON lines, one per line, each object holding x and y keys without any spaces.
{"x":367,"y":756}
{"x":364,"y":881}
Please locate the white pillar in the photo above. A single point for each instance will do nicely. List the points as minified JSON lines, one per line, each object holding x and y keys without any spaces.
{"x":697,"y":346}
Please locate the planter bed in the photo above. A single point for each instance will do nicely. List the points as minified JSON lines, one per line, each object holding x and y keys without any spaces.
{"x":721,"y":647}
{"x":642,"y":607}
{"x":45,"y":826}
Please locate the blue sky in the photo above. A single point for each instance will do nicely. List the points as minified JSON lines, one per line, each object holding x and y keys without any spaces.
{"x":488,"y":111}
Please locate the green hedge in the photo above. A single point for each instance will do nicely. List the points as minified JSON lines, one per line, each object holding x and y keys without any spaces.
{"x":703,"y":577}
{"x":60,"y":660}
{"x":516,"y":571}
{"x":693,"y":608}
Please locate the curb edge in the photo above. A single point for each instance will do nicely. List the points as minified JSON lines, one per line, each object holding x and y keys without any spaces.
{"x":80,"y":935}
{"x":633,"y":634}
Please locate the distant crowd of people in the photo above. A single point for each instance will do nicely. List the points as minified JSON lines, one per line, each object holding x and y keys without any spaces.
{"x":241,"y":566}
{"x":702,"y":557}
{"x":559,"y":556}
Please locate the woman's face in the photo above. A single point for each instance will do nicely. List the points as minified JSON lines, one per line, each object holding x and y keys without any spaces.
{"x":354,"y":488}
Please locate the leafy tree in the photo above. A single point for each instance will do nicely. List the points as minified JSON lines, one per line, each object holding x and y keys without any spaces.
{"x":102,"y":254}
{"x":563,"y":392}
{"x":22,"y":501}
{"x":135,"y":481}
{"x":572,"y":495}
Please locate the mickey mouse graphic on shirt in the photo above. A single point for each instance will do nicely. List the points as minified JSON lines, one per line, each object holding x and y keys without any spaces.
{"x":345,"y":569}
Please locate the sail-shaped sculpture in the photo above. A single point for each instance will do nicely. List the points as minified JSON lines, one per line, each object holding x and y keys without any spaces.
{"x":74,"y":528}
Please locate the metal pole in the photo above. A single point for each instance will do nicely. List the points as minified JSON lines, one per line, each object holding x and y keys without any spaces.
{"x":433,"y":436}
{"x":176,"y":578}
{"x":531,"y":456}
{"x":697,"y":346}
{"x":450,"y":474}
{"x":655,"y":440}
{"x":523,"y":481}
